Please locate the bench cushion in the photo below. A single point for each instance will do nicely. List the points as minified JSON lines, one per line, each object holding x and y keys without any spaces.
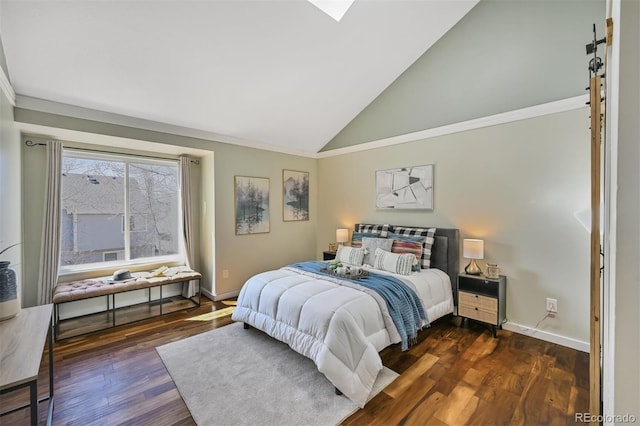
{"x":85,"y":289}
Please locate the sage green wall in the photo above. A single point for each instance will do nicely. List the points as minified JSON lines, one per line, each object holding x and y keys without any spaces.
{"x":503,"y":55}
{"x":221,"y":249}
{"x":287,"y":242}
{"x":10,"y":194}
{"x":516,"y":185}
{"x":626,"y":338}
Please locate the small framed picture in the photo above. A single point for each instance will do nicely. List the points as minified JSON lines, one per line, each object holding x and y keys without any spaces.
{"x":295,"y":195}
{"x":251,"y":205}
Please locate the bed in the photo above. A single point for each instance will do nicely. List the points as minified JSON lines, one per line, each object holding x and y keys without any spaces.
{"x":342,"y":324}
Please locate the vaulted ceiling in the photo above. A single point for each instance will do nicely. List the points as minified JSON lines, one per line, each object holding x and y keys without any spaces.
{"x":279,"y":74}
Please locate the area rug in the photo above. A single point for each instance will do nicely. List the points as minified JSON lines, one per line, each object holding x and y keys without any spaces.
{"x":233,"y":376}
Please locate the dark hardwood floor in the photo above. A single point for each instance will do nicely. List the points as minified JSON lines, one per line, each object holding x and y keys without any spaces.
{"x":453,"y":376}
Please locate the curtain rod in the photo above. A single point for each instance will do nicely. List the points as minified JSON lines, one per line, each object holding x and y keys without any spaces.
{"x":32,"y":143}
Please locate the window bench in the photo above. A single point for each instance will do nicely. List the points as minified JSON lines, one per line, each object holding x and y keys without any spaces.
{"x":100,"y":287}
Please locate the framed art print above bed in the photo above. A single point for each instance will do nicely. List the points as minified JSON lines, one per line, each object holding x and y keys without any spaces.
{"x":251,"y":205}
{"x":405,"y":188}
{"x":295,"y":195}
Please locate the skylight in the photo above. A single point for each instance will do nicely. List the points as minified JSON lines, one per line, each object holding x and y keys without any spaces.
{"x":334,"y":8}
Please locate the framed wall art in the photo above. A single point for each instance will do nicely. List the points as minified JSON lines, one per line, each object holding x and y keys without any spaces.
{"x":405,"y":188}
{"x":251,"y":205}
{"x":295,"y":195}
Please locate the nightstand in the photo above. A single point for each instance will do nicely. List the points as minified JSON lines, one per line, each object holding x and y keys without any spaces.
{"x":328,"y":255}
{"x":483,"y":299}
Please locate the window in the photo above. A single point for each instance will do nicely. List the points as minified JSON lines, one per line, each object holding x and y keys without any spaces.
{"x":109,"y":256}
{"x":137,"y":223}
{"x":118,"y":210}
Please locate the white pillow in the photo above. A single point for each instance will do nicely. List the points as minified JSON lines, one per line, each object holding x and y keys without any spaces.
{"x":350,"y":255}
{"x":394,"y":262}
{"x":371,"y":244}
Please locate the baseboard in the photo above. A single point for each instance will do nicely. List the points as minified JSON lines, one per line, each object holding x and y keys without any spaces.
{"x":547,"y":337}
{"x":223,"y":296}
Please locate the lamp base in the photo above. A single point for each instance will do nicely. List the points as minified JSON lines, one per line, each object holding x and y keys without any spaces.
{"x":472,"y":268}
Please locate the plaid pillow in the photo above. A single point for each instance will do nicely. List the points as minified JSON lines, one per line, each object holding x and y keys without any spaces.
{"x":374,"y":229}
{"x":428,"y":233}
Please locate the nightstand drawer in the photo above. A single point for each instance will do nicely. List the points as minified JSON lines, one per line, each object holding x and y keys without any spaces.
{"x":480,"y":285}
{"x":478,"y":314}
{"x":328,"y":255}
{"x":477,"y":301}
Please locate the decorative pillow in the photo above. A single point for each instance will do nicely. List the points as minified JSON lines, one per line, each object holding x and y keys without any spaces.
{"x":413,"y":245}
{"x":356,"y":238}
{"x":350,"y":255}
{"x":375,"y":229}
{"x":392,"y":262}
{"x":428,"y":233}
{"x":371,"y":244}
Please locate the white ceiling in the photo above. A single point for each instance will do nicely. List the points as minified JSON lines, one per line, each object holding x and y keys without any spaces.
{"x":276,"y":73}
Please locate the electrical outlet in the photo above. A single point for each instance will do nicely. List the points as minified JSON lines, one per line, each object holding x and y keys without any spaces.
{"x":225,"y":273}
{"x":552,"y":305}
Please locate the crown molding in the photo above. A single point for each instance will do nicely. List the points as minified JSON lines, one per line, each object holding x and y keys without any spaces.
{"x":563,"y":105}
{"x":67,"y":110}
{"x":42,"y":105}
{"x":7,"y":89}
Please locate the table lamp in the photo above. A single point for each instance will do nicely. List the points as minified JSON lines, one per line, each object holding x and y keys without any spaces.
{"x":342,"y":236}
{"x":473,"y":249}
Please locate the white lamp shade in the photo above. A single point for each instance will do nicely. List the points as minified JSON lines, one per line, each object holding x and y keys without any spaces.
{"x":473,"y":249}
{"x":342,"y":235}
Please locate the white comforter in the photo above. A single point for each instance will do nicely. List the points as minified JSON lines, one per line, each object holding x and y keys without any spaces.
{"x":339,"y":325}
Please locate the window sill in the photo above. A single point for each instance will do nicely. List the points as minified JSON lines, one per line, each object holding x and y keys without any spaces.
{"x":95,"y":271}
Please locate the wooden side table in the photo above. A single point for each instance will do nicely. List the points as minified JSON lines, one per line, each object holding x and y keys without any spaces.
{"x":483,"y":299}
{"x":22,"y":340}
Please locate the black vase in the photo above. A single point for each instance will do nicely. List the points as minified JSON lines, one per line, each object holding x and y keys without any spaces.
{"x":9,"y":303}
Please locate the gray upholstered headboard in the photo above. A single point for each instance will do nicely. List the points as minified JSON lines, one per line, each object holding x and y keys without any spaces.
{"x":445,"y":253}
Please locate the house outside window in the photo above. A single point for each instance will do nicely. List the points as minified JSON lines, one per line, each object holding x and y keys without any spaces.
{"x":118,"y":210}
{"x":109,"y":256}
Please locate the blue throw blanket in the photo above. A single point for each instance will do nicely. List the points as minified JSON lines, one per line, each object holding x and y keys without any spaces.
{"x":403,"y":304}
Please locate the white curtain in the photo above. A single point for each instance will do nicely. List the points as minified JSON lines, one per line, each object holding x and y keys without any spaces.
{"x":189,"y":288}
{"x":50,"y":248}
